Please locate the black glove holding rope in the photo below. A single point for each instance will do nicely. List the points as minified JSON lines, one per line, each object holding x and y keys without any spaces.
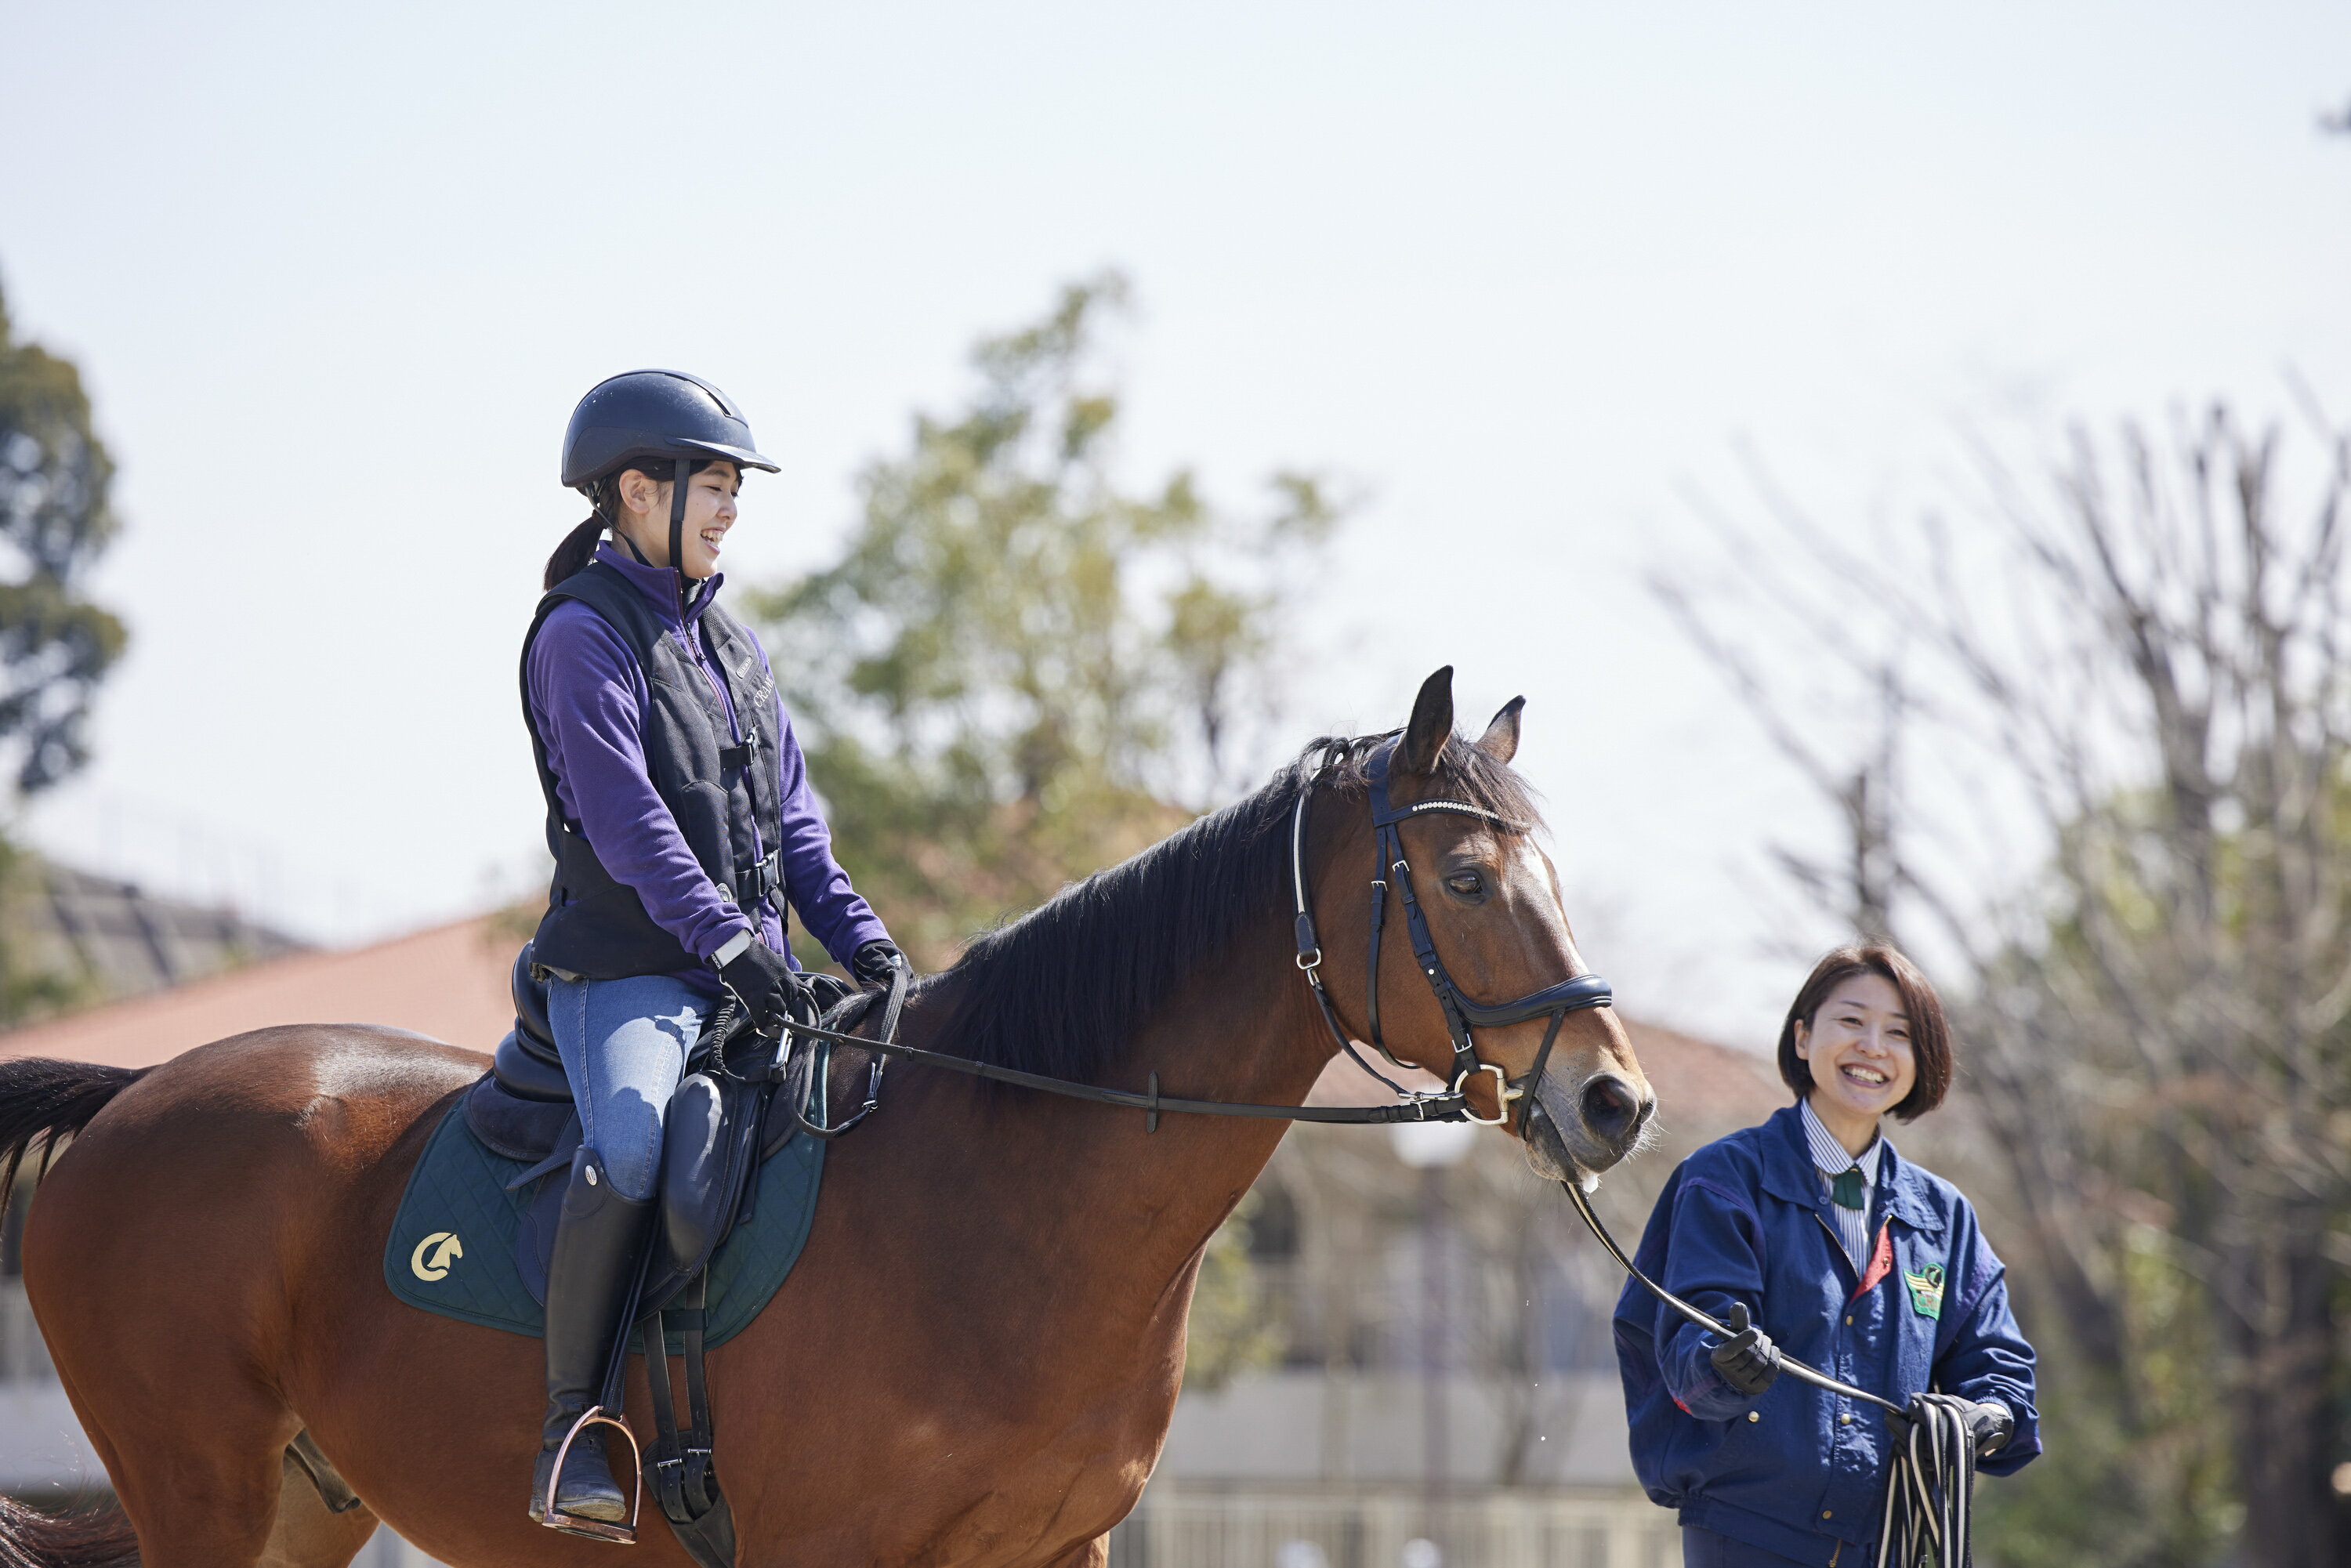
{"x":768,"y":987}
{"x":1989,"y":1422}
{"x":1748,"y":1360}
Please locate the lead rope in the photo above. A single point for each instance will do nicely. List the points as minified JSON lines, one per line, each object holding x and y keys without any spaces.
{"x":1929,"y":1486}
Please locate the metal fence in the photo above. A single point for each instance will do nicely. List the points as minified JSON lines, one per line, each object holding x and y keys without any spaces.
{"x":1258,"y":1527}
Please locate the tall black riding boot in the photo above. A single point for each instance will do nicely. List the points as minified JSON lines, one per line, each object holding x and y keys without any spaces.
{"x":589,"y":1280}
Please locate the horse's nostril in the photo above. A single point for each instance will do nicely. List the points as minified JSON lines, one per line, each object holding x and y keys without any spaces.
{"x":1610,"y":1109}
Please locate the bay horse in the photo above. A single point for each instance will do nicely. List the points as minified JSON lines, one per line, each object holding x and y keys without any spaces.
{"x":975,"y":1361}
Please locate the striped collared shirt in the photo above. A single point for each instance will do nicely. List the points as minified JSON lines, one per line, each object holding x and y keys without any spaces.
{"x":1829,"y":1157}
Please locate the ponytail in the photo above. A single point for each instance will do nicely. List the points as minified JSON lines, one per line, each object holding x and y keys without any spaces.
{"x":571,"y":557}
{"x":579,"y":545}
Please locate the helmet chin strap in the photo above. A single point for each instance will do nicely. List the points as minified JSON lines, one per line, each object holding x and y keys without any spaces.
{"x":677,"y":529}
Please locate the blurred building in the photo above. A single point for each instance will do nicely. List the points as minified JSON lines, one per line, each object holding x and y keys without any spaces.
{"x":73,"y":938}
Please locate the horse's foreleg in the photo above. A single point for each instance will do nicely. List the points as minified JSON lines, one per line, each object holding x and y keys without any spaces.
{"x":1094,"y":1553}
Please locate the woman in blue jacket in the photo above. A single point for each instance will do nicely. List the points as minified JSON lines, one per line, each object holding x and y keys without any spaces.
{"x":680,"y":817}
{"x":1867,"y":1267}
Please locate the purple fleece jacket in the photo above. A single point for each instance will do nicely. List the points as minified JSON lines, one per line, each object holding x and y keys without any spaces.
{"x":589,"y":700}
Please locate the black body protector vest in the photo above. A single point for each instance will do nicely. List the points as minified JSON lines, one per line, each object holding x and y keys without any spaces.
{"x":722,"y":792}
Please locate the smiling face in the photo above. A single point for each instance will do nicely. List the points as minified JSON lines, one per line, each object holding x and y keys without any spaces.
{"x":1857,"y":1045}
{"x":642,"y":515}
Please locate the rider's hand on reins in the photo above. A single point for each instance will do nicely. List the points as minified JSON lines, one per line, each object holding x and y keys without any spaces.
{"x":1748,"y":1360}
{"x":874,"y":962}
{"x":767,"y":986}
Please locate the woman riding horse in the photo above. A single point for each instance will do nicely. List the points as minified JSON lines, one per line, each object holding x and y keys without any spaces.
{"x":679,"y":813}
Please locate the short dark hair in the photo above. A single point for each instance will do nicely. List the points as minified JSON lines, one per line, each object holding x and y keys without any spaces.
{"x":1930,"y":1037}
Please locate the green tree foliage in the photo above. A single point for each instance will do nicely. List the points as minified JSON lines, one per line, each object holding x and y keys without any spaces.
{"x":55,"y":646}
{"x":1020,"y":671}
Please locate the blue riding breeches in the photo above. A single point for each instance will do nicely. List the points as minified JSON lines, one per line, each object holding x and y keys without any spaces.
{"x":623,"y":1044}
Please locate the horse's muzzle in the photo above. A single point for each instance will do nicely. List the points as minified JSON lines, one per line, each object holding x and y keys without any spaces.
{"x":1612,"y":1113}
{"x":1588,"y":1127}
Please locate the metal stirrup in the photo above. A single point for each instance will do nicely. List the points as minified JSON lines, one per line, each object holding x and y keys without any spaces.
{"x":554,"y":1517}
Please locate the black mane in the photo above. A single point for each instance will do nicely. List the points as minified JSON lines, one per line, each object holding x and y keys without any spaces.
{"x":1061,"y":989}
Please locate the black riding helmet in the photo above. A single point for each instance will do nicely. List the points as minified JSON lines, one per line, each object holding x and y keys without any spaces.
{"x":643,"y":414}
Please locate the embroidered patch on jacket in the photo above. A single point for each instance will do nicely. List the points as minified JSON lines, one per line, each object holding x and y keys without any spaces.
{"x":1925,"y":1289}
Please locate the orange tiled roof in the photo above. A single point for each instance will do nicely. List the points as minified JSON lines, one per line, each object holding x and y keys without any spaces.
{"x":449,"y":982}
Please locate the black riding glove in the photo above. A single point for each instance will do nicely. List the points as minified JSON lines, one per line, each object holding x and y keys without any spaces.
{"x":874,"y":962}
{"x":1748,"y":1360}
{"x":767,"y":986}
{"x":1991,"y":1426}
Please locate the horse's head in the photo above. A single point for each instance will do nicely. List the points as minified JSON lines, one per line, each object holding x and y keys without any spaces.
{"x":1490,"y":901}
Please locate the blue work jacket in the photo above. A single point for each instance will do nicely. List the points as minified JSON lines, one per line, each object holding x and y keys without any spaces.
{"x":1796,"y":1471}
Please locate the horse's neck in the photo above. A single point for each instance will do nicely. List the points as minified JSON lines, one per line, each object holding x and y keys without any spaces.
{"x":1103,"y":1220}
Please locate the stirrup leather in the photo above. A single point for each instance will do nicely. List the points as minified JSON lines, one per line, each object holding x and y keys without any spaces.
{"x":554,"y":1517}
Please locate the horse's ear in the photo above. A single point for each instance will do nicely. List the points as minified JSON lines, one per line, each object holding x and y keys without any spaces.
{"x":1500,"y":740}
{"x":1432,"y":725}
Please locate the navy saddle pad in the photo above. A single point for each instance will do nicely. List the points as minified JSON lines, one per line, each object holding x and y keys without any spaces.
{"x":451,"y":1249}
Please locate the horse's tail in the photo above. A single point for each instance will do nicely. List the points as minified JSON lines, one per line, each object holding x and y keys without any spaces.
{"x":41,"y":1101}
{"x":98,"y":1537}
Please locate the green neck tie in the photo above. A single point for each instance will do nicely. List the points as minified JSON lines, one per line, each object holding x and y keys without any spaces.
{"x":1846,"y":1187}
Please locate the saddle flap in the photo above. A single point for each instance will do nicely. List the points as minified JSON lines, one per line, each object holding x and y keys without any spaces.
{"x":693,"y":1166}
{"x":710,"y":1148}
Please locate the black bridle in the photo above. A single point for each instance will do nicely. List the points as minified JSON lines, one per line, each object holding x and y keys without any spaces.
{"x":1392,"y":874}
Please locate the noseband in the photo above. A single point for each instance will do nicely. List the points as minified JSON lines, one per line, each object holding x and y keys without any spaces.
{"x":1391,"y":871}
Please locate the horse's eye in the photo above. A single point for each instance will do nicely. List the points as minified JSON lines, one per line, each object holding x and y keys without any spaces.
{"x":1467,"y":884}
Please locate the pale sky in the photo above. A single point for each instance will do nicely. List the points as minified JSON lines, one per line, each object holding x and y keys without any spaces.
{"x":1521,"y":275}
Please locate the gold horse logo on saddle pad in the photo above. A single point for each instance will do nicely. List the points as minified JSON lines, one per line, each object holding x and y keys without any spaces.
{"x":444,"y":1249}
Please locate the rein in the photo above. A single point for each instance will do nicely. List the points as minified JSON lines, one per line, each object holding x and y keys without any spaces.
{"x":1461,"y":1014}
{"x":1788,"y":1363}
